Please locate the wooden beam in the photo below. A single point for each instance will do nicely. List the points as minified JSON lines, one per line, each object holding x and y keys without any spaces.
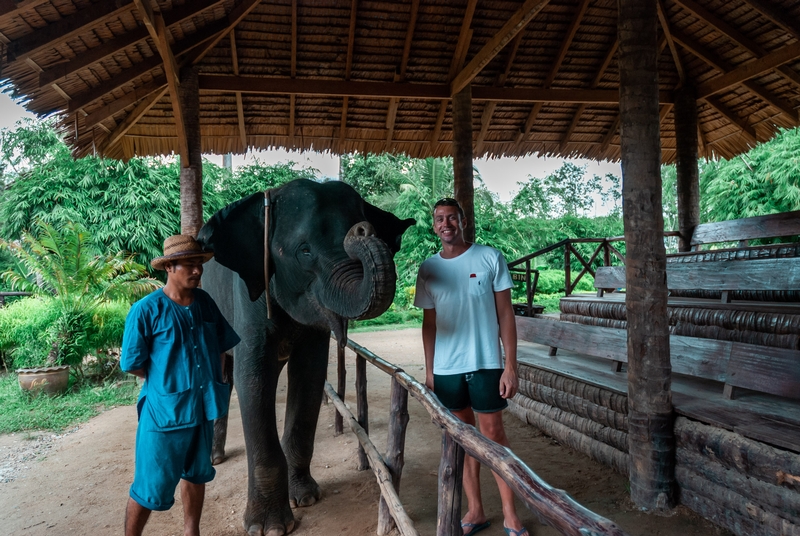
{"x":391,"y":116}
{"x":722,"y":65}
{"x":239,"y":103}
{"x":701,"y":141}
{"x":412,"y":23}
{"x":748,"y":131}
{"x":510,"y":29}
{"x":562,"y":53}
{"x":112,"y":46}
{"x":665,"y":26}
{"x":158,"y":31}
{"x":293,"y":73}
{"x":581,"y":107}
{"x":117,"y":105}
{"x":612,"y":131}
{"x":132,"y":119}
{"x":351,"y":40}
{"x":749,"y":70}
{"x":228,"y":23}
{"x":66,"y":28}
{"x":11,"y":8}
{"x":736,"y":36}
{"x":777,"y":16}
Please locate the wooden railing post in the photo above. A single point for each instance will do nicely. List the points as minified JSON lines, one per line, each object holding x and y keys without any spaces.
{"x":338,"y":422}
{"x":528,"y":289}
{"x":567,"y":273}
{"x":451,"y":471}
{"x":606,"y":253}
{"x":395,"y":450}
{"x":363,"y":410}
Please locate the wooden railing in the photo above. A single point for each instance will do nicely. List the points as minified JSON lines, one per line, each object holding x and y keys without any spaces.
{"x":552,"y":506}
{"x":521,"y":268}
{"x":4,"y":295}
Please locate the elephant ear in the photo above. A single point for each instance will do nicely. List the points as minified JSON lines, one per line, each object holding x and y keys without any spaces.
{"x":388,"y":227}
{"x":236,"y":236}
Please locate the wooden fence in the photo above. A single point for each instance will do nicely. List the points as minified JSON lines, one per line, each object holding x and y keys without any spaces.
{"x":552,"y":506}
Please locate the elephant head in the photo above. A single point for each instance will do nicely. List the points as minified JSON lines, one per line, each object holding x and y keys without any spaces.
{"x":331,"y":252}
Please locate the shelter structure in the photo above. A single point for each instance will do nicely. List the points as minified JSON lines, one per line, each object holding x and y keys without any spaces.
{"x":641,"y":81}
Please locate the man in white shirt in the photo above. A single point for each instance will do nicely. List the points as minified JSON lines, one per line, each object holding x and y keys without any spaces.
{"x":465,"y":291}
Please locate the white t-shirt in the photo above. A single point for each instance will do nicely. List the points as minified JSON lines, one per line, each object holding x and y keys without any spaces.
{"x":462,"y":292}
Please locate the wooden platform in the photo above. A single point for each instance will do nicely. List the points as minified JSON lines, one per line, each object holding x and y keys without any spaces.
{"x":700,"y":303}
{"x":770,"y":419}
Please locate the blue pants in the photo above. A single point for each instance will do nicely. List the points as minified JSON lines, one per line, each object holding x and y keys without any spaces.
{"x":164,"y":458}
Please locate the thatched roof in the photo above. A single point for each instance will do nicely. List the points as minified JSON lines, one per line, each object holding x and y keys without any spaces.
{"x":368,"y":75}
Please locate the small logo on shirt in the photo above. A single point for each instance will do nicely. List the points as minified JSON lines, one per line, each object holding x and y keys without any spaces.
{"x":472,"y":275}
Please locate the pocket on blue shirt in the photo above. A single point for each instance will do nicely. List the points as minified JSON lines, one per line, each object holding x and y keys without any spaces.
{"x":172,"y":410}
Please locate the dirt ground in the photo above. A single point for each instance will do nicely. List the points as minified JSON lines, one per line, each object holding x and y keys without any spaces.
{"x":77,"y":482}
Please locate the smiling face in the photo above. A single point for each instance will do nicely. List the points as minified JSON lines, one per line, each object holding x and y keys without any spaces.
{"x":185,"y":274}
{"x":448,"y":224}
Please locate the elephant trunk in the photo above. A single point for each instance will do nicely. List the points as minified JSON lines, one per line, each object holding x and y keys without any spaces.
{"x":365,"y":287}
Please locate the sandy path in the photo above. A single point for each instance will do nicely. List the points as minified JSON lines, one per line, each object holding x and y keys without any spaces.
{"x":79,"y":484}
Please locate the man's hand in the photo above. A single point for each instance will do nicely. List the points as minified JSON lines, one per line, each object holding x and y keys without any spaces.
{"x":429,"y":379}
{"x":509,"y":383}
{"x":140,"y":373}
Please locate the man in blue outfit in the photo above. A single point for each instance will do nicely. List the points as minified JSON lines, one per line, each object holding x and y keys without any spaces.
{"x":175,"y":339}
{"x":465,"y":291}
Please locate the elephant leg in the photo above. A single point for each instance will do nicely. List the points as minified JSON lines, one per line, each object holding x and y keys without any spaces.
{"x":221,"y":424}
{"x":306,"y":376}
{"x":256,"y":371}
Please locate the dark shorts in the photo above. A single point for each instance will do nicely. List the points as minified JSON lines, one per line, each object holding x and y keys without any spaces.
{"x":164,"y":458}
{"x":479,"y":390}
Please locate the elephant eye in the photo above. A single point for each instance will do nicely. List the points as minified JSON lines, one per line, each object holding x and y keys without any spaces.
{"x":305,"y":250}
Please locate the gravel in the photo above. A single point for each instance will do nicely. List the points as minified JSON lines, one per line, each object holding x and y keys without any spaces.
{"x":19,"y":451}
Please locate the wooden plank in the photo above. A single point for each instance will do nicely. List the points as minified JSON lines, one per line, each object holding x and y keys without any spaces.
{"x":766,"y":369}
{"x":772,"y":225}
{"x":757,"y":274}
{"x":782,"y":435}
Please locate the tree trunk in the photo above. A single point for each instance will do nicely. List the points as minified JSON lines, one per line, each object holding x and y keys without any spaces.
{"x":462,"y":158}
{"x":651,"y":440}
{"x":191,"y":171}
{"x":686,"y":164}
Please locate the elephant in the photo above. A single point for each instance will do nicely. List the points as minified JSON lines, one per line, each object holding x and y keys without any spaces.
{"x":330,"y":260}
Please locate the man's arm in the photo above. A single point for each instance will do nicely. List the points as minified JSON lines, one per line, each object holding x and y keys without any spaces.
{"x":139,"y":373}
{"x":429,"y":343}
{"x":508,"y":335}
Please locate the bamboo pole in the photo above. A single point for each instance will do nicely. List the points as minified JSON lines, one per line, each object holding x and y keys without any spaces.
{"x":594,"y":394}
{"x":395,"y":448}
{"x":338,"y":426}
{"x":574,"y":404}
{"x":382,"y":474}
{"x":451,"y":472}
{"x":650,"y":418}
{"x":363,"y":409}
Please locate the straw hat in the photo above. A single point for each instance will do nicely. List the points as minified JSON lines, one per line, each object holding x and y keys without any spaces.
{"x":178,"y":247}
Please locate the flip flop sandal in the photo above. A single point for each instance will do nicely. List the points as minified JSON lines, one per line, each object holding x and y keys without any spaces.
{"x":511,"y":532}
{"x":475,"y":528}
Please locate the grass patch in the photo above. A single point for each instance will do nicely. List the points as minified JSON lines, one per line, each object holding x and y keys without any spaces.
{"x":392,"y":319}
{"x":21,"y":411}
{"x":550,"y":301}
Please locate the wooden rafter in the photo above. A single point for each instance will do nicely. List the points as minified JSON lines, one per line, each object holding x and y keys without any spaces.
{"x":11,"y":8}
{"x":239,"y":103}
{"x":117,"y":105}
{"x":351,"y":40}
{"x":515,"y":24}
{"x":462,"y":45}
{"x":158,"y":31}
{"x":749,"y":70}
{"x":112,"y":46}
{"x":66,"y":28}
{"x":736,"y":36}
{"x":489,"y":107}
{"x":722,"y":65}
{"x":701,"y":141}
{"x":748,"y":131}
{"x":581,"y":107}
{"x":612,"y":131}
{"x":665,"y":26}
{"x":777,"y":16}
{"x":132,"y":119}
{"x":293,"y":71}
{"x":562,"y":53}
{"x":391,"y":114}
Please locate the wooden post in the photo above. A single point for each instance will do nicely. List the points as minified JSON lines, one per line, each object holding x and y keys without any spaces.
{"x":650,"y":437}
{"x":191,"y":171}
{"x":395,"y":448}
{"x":363,"y":410}
{"x":338,"y":421}
{"x":567,"y":270}
{"x":451,"y":471}
{"x":688,"y":182}
{"x":462,"y":158}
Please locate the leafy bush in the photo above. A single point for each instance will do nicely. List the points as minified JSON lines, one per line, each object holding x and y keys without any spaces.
{"x":23,"y":325}
{"x":553,"y":282}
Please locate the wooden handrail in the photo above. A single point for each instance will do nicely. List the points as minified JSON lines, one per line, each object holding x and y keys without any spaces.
{"x":553,"y":506}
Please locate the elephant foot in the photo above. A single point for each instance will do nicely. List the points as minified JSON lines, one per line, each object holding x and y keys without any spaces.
{"x":268,"y":523}
{"x":303,"y":490}
{"x":217,"y":458}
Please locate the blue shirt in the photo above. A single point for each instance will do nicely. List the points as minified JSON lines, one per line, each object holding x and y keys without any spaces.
{"x":178,"y":347}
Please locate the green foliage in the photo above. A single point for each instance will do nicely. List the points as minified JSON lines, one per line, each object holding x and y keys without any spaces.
{"x":62,"y":268}
{"x":24,"y":412}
